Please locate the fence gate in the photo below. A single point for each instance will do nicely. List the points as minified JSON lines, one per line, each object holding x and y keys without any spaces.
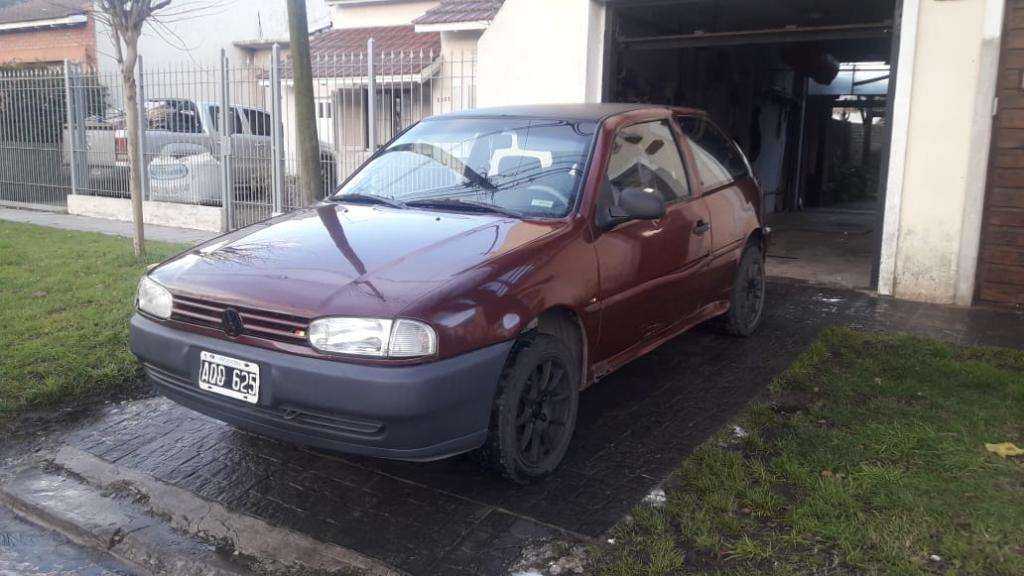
{"x":33,"y":113}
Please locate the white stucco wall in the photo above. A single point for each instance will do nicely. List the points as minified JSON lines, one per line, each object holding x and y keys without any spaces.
{"x":540,"y":51}
{"x":926,"y":211}
{"x":371,"y":13}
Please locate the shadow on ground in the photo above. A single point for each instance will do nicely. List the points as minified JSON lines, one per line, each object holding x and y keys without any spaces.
{"x":448,"y":517}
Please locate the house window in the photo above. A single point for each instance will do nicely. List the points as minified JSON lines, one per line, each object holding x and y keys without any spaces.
{"x":325,"y":109}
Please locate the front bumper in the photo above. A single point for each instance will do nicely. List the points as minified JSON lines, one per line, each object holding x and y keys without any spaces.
{"x":413,"y":412}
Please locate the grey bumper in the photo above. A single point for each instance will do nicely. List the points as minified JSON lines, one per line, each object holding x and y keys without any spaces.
{"x":418,"y":412}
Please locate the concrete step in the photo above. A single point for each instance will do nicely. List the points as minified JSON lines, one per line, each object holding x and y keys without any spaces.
{"x":112,"y":523}
{"x":163,"y":529}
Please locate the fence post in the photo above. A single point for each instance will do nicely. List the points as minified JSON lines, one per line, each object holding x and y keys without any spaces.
{"x":69,"y":135}
{"x":277,"y":130}
{"x":226,"y":123}
{"x":140,"y":84}
{"x":371,"y":98}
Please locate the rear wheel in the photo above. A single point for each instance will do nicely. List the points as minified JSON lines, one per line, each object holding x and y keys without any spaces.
{"x":746,"y":305}
{"x":534,"y":412}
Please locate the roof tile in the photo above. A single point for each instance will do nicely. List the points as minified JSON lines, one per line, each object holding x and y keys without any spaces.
{"x":341,"y":53}
{"x":13,"y":11}
{"x":455,"y":11}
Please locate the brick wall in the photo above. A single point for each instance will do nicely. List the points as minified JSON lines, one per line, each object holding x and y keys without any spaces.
{"x":75,"y":43}
{"x":1001,"y":261}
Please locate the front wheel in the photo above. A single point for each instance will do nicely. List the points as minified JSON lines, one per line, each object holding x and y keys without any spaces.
{"x":746,"y":304}
{"x":534,"y":412}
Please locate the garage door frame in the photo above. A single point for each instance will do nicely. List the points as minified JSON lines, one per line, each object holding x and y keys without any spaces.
{"x":890,"y":179}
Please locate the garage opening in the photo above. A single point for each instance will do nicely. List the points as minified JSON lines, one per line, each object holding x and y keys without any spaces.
{"x":803,"y":86}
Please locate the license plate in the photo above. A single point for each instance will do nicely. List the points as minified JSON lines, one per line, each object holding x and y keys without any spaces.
{"x":229,"y":377}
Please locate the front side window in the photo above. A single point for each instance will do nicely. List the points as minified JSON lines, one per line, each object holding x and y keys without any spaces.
{"x":718,"y":160}
{"x":646,"y":156}
{"x":530,"y":167}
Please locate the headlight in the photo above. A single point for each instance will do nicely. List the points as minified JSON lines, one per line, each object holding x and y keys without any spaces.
{"x":373,"y":337}
{"x":153,"y":298}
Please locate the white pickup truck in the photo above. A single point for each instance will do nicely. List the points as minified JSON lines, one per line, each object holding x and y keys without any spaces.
{"x":183,"y":152}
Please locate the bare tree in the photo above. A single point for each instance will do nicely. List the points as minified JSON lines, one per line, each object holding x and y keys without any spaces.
{"x":310,"y":183}
{"x":125,"y":20}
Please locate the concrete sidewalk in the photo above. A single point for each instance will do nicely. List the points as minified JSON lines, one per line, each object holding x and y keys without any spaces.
{"x":111,"y":227}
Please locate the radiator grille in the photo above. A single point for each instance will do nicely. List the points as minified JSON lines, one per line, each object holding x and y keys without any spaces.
{"x":257,"y":323}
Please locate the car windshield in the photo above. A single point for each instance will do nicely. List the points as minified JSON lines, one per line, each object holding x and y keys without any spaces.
{"x":529,"y":167}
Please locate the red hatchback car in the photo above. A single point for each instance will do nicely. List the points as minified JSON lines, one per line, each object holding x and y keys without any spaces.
{"x":462,"y":287}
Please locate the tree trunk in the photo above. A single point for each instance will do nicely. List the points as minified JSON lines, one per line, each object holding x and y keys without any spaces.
{"x":131,"y":94}
{"x":307,"y":141}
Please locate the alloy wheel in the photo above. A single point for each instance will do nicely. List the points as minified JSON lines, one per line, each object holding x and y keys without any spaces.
{"x":542,"y":416}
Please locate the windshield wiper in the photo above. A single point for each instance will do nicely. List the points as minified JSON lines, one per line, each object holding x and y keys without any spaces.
{"x":369,"y":198}
{"x":462,"y":204}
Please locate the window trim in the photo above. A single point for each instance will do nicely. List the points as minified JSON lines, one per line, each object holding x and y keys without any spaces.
{"x":682,"y":158}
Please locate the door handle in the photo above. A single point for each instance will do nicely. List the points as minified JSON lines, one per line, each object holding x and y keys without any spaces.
{"x":701,"y":228}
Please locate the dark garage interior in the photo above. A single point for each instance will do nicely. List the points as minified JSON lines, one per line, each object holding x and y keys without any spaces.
{"x":803,"y":86}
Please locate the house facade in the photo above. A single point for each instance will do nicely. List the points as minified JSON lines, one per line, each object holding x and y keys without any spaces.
{"x":425,"y":64}
{"x":43,"y":32}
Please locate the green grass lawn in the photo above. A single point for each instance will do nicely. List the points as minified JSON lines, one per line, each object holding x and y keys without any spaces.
{"x":65,"y":300}
{"x":868,"y":457}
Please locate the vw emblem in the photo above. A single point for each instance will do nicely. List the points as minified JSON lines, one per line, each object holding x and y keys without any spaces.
{"x":231,"y":322}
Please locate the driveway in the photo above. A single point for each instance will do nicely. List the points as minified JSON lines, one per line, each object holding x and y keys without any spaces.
{"x":448,"y":517}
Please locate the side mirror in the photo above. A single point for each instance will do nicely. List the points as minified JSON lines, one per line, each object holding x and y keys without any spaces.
{"x":634,"y":204}
{"x":641,"y":205}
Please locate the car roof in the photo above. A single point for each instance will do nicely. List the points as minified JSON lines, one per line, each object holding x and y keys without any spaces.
{"x":593,"y":111}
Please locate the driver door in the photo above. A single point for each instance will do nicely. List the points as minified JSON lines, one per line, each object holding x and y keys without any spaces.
{"x":649,"y":269}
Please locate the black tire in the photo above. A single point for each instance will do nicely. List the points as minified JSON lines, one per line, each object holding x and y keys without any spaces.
{"x":534,"y":411}
{"x":746,"y":304}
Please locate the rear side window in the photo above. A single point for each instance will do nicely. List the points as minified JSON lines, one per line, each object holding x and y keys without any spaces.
{"x":718,"y":160}
{"x":646,"y":156}
{"x":236,"y":125}
{"x":259,"y":122}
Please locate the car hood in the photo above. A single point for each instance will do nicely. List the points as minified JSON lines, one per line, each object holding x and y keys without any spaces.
{"x":338,"y":259}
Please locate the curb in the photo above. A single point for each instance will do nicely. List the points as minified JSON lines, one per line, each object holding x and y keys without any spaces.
{"x":163,"y":529}
{"x":116,"y":528}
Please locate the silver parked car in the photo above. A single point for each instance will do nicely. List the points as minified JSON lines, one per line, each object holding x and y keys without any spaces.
{"x":183,"y":151}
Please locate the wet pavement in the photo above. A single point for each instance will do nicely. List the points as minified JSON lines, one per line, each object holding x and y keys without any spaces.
{"x":451,"y":518}
{"x":27,"y":550}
